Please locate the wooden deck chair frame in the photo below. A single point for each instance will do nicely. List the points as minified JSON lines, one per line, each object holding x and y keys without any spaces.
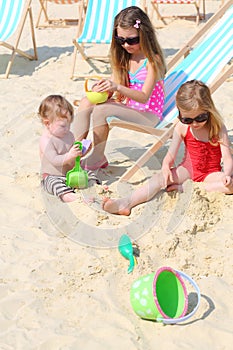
{"x":97,"y":29}
{"x":60,"y":22}
{"x":164,"y":130}
{"x":14,"y":14}
{"x":197,"y":3}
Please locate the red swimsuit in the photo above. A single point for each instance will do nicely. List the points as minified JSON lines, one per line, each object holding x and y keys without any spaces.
{"x":201,"y":158}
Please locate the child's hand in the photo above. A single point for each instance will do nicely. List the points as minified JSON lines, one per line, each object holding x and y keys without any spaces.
{"x":167,"y":175}
{"x":95,"y":87}
{"x":74,"y":152}
{"x":227,"y":181}
{"x":105,"y":85}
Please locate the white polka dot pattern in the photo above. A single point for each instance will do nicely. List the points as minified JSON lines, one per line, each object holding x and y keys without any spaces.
{"x":156,"y":101}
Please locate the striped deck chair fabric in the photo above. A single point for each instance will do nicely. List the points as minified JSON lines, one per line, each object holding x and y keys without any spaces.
{"x":61,"y":22}
{"x":98,"y":25}
{"x":206,"y":62}
{"x":155,"y":6}
{"x":13,"y":15}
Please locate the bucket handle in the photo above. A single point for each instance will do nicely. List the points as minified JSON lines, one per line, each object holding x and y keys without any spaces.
{"x":86,"y":82}
{"x":186,"y":317}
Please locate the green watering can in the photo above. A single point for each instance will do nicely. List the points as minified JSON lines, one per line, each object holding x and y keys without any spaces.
{"x":77,"y":177}
{"x":126,"y":249}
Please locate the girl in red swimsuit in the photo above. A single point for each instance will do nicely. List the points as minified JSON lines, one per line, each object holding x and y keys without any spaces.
{"x":206,"y":142}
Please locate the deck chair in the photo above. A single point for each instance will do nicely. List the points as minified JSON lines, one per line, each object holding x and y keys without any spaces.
{"x":97,"y":29}
{"x":209,"y":61}
{"x":155,"y":6}
{"x":60,"y":22}
{"x":13,"y":15}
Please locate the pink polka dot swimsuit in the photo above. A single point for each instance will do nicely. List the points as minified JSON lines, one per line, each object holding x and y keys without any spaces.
{"x":156,"y":101}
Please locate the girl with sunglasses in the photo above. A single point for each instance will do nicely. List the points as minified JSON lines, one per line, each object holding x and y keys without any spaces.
{"x":201,"y":128}
{"x":136,"y":87}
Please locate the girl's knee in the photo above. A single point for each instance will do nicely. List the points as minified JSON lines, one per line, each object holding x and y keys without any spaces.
{"x":85,"y":104}
{"x":100,"y":113}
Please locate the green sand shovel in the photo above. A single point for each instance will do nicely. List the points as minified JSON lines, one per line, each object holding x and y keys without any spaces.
{"x":126,"y":249}
{"x":77,"y":177}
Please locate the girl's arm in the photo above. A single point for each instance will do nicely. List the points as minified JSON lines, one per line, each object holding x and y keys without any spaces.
{"x":226,"y":153}
{"x":168,"y":161}
{"x":148,"y":86}
{"x":139,"y":96}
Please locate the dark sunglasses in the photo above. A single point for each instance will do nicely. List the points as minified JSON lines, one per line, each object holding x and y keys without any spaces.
{"x":198,"y":119}
{"x":129,"y":41}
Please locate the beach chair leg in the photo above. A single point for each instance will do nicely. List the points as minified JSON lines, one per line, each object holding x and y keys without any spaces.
{"x":17,"y":50}
{"x":228,"y":72}
{"x":80,"y":49}
{"x":198,"y":13}
{"x":203,"y":8}
{"x":148,"y":154}
{"x":74,"y":61}
{"x":35,"y":56}
{"x":77,"y":48}
{"x":198,"y":9}
{"x":11,"y":60}
{"x":159,"y":16}
{"x":43,"y":8}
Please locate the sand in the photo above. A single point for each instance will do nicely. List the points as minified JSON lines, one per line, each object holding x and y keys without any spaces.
{"x":64,"y":284}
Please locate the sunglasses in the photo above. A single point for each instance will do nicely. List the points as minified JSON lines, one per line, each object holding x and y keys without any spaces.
{"x":198,"y":119}
{"x":129,"y":41}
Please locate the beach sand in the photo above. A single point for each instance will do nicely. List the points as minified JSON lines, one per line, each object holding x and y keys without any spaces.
{"x":64,"y":284}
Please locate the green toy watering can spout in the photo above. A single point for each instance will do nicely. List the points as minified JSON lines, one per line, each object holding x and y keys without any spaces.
{"x":126,"y":249}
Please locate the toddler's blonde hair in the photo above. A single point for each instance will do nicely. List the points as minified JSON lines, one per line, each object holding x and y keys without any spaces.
{"x":55,"y":107}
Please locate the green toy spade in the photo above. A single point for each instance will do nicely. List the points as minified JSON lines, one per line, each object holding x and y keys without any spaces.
{"x":77,"y":177}
{"x":126,"y":249}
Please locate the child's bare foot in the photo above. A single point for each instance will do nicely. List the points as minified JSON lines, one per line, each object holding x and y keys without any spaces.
{"x":229,"y":188}
{"x":174,"y":187}
{"x":76,"y":103}
{"x":116,"y":206}
{"x":68,"y":197}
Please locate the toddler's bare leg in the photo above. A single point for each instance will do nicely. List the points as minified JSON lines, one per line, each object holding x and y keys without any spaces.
{"x":69,"y":197}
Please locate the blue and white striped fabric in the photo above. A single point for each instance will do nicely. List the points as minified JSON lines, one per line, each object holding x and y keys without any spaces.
{"x":204,"y":63}
{"x":10,"y":15}
{"x":99,"y":20}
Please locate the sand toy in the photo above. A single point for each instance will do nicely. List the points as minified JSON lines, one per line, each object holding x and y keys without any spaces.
{"x":126,"y":249}
{"x":95,"y":97}
{"x":77,"y":177}
{"x":162,"y":296}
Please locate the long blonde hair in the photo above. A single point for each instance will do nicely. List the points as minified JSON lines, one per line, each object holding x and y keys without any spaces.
{"x":194,"y":94}
{"x":149,"y":44}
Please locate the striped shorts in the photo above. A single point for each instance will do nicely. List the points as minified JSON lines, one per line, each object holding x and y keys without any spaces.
{"x":56,"y":185}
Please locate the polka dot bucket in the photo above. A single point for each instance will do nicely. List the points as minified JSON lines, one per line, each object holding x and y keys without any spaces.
{"x":162,"y":296}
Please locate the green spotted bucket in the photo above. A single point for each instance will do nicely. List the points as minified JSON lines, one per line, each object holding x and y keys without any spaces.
{"x":162,"y":296}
